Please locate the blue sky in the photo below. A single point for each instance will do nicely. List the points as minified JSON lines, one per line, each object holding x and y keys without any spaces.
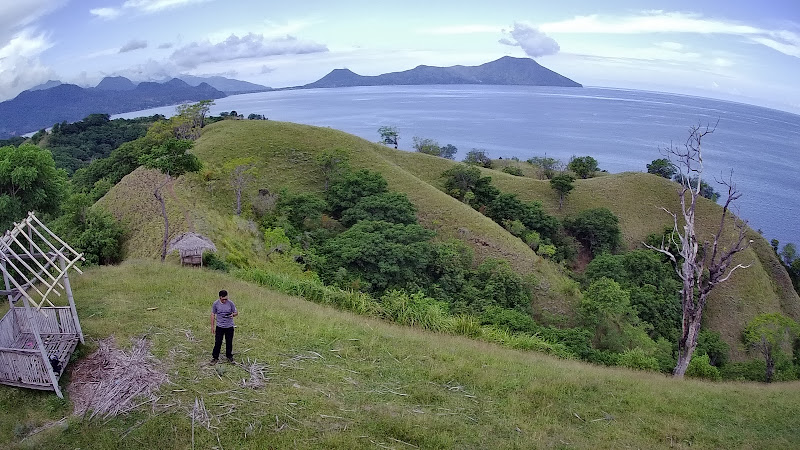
{"x":738,"y":50}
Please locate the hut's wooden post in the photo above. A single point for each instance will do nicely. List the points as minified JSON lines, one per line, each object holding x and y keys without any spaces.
{"x":68,"y":289}
{"x":8,"y":285}
{"x":45,"y":359}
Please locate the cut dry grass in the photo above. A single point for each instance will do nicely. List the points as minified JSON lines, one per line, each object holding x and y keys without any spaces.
{"x":112,"y":381}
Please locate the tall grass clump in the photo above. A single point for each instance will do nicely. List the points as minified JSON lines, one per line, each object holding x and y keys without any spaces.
{"x":415,"y":310}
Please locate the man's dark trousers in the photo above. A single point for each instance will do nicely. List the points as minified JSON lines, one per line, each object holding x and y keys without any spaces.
{"x":228,"y":334}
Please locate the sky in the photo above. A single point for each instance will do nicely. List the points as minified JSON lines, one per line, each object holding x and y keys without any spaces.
{"x":738,"y":50}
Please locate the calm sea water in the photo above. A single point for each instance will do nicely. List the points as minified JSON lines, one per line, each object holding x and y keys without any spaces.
{"x":622,"y":129}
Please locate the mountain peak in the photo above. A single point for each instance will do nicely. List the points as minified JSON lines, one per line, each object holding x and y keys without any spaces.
{"x":115,"y":84}
{"x":507,"y":70}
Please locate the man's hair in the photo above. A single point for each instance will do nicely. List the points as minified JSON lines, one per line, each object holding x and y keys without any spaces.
{"x":223,"y":293}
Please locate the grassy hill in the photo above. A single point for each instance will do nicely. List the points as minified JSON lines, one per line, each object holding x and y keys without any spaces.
{"x":342,"y":381}
{"x":285,"y":155}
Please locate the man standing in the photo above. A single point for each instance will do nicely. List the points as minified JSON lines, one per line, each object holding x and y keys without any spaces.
{"x":222,"y":313}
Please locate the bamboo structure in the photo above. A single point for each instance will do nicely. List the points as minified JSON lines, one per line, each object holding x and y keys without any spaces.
{"x":191,"y":247}
{"x":37,"y":339}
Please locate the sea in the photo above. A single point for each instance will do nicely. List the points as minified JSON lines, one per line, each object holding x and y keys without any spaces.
{"x":622,"y":129}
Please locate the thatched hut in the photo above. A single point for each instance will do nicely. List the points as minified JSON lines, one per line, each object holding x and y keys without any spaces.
{"x":191,"y":247}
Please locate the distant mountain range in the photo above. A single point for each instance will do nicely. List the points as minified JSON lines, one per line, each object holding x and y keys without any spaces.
{"x":52,"y":102}
{"x":504,"y":71}
{"x":34,"y":110}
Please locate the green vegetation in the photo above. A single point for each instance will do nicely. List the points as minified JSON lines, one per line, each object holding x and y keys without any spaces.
{"x":431,"y":147}
{"x":563,"y":184}
{"x":75,"y":145}
{"x":478,"y":157}
{"x":29,"y":181}
{"x":767,"y":334}
{"x":583,"y":166}
{"x":663,"y":168}
{"x":337,"y":380}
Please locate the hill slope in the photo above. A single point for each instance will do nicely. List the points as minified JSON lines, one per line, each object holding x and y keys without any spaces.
{"x":341,"y":381}
{"x":285,"y":156}
{"x":504,"y":71}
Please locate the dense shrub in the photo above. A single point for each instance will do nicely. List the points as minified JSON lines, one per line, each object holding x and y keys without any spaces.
{"x":101,"y":239}
{"x":214,"y":262}
{"x":388,"y":206}
{"x":375,"y":256}
{"x":512,"y":170}
{"x":345,"y":191}
{"x":700,"y":367}
{"x":584,"y":166}
{"x":479,"y":158}
{"x":415,"y":310}
{"x":597,"y":229}
{"x":637,"y":358}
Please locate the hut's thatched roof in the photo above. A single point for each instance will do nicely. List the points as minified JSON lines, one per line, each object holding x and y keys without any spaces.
{"x":191,"y":243}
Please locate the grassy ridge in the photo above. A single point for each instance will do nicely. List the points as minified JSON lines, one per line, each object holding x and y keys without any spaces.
{"x":344,"y":381}
{"x":285,"y":156}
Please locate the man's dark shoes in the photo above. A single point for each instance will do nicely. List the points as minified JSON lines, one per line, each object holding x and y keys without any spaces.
{"x":230,"y":361}
{"x":213,"y":361}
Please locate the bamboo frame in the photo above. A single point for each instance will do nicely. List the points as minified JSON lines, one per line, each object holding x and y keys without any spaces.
{"x":32,"y":271}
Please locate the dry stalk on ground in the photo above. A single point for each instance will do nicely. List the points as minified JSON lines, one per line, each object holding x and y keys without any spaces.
{"x":109,"y":380}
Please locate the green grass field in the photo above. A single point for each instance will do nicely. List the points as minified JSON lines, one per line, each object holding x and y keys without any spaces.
{"x":337,"y":380}
{"x":285,"y":155}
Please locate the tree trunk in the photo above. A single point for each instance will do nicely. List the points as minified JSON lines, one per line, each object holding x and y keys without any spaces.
{"x":238,"y":201}
{"x":560,"y":201}
{"x":686,"y":345}
{"x":770,"y":368}
{"x":160,"y":198}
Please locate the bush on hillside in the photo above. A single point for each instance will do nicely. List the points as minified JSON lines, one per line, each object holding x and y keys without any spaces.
{"x":391,"y":207}
{"x":597,"y":229}
{"x":512,"y":170}
{"x":700,"y":367}
{"x":584,"y":166}
{"x":479,"y":158}
{"x":345,"y":191}
{"x":637,"y":358}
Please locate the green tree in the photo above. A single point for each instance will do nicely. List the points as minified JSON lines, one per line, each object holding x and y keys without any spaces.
{"x":29,"y":181}
{"x":346,"y":190}
{"x":789,"y":253}
{"x":606,"y":309}
{"x":427,"y":146}
{"x":478,"y":157}
{"x":389,"y":135}
{"x":391,"y":207}
{"x":706,"y":190}
{"x":767,"y":333}
{"x":190,"y":119}
{"x":333,"y":163}
{"x":172,"y":160}
{"x":663,"y":168}
{"x":375,"y":256}
{"x":562,"y":184}
{"x":597,"y":229}
{"x":448,"y":151}
{"x":584,"y":166}
{"x":460,"y":180}
{"x":549,"y":166}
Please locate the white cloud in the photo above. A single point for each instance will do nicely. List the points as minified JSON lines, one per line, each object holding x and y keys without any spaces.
{"x":461,"y":29}
{"x":135,"y":44}
{"x":670,"y":46}
{"x":533,"y":42}
{"x":165,"y":45}
{"x":20,"y":67}
{"x":784,"y":41}
{"x":142,"y":6}
{"x":105,"y":13}
{"x":248,"y":46}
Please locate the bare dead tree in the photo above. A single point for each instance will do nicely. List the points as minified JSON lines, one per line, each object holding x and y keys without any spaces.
{"x":700,"y":265}
{"x":241,"y":176}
